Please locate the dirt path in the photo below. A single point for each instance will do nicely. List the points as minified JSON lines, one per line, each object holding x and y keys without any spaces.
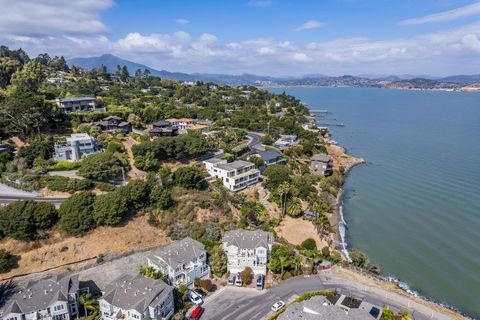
{"x":58,"y":250}
{"x":18,"y":142}
{"x":134,"y":173}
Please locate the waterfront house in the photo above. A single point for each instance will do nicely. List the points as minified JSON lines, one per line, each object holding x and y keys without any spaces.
{"x":77,"y":146}
{"x":114,"y":124}
{"x":78,"y":104}
{"x":136,"y":298}
{"x":54,"y":298}
{"x":235,"y":175}
{"x":247,"y":248}
{"x":321,"y":164}
{"x":181,"y":262}
{"x":286,"y":141}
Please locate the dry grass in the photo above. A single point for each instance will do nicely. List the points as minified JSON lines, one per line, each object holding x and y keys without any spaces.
{"x":58,"y":249}
{"x":297,"y":230}
{"x":340,"y":158}
{"x":134,"y":173}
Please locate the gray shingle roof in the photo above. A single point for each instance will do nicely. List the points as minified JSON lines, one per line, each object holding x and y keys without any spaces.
{"x":248,"y":239}
{"x":179,"y":252}
{"x":136,"y":292}
{"x":321,"y":157}
{"x":269,"y":154}
{"x":40,"y":294}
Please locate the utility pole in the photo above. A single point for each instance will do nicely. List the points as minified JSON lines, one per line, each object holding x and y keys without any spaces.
{"x":123,"y":176}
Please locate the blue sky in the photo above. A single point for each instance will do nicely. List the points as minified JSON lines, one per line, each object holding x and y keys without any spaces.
{"x":271,"y":37}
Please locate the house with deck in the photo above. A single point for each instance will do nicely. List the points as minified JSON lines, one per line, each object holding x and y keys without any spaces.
{"x":321,"y":164}
{"x":54,"y":298}
{"x":247,"y":248}
{"x":181,"y":262}
{"x":236,"y":175}
{"x":78,"y":104}
{"x":76,"y":147}
{"x":286,"y":141}
{"x":134,"y":297}
{"x":270,"y":157}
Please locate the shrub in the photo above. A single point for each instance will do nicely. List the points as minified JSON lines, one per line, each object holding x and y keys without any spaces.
{"x":286,"y":275}
{"x":75,"y":214}
{"x":326,"y":252}
{"x":101,"y":166}
{"x":115,"y":147}
{"x":109,"y":209}
{"x":7,"y":260}
{"x":276,"y":174}
{"x":309,"y":244}
{"x":104,"y":186}
{"x":218,"y":261}
{"x":205,"y":284}
{"x":64,"y":184}
{"x":63,"y":165}
{"x":161,"y":197}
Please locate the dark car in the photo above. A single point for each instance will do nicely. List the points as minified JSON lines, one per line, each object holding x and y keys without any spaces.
{"x":197,"y":313}
{"x":260,"y":282}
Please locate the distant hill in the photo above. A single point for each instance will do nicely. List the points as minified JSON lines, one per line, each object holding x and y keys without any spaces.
{"x":366,"y":80}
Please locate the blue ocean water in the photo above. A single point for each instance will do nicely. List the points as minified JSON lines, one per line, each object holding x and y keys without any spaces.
{"x":414,"y":208}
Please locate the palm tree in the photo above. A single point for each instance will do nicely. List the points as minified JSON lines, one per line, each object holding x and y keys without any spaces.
{"x":261,"y":212}
{"x":283,"y":189}
{"x":323,"y":224}
{"x":294,"y":208}
{"x":297,"y":261}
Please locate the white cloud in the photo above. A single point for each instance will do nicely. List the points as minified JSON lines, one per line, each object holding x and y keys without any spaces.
{"x":311,"y":24}
{"x":182,"y":21}
{"x":458,"y":13}
{"x":49,"y":17}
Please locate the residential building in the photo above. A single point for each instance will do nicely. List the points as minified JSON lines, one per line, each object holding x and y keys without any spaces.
{"x":162,"y":128}
{"x":136,"y":298}
{"x":181,"y":262}
{"x":55,"y":298}
{"x":270,"y":157}
{"x":6,"y":148}
{"x":235,"y":175}
{"x":69,"y":105}
{"x":181,"y":123}
{"x":245,"y":248}
{"x":114,"y":124}
{"x":286,"y":141}
{"x":321,"y":164}
{"x":77,"y":146}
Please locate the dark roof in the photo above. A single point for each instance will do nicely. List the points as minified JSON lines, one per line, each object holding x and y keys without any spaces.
{"x":269,"y":154}
{"x":124,"y":124}
{"x":162,"y":124}
{"x":136,"y":292}
{"x":112,"y":118}
{"x":39,"y":295}
{"x":76,"y":99}
{"x":321,"y":157}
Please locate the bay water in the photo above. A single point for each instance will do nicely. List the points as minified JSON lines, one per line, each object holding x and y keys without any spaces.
{"x":414,"y":207}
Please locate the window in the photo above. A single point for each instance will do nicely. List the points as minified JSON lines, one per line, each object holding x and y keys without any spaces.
{"x":58,"y":307}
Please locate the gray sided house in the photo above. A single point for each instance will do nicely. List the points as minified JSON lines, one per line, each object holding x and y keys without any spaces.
{"x":321,"y":164}
{"x":286,"y":141}
{"x":55,"y":298}
{"x":114,"y":124}
{"x":78,"y":104}
{"x":181,"y":262}
{"x":270,"y":157}
{"x":136,"y":298}
{"x":245,"y":248}
{"x":77,"y":146}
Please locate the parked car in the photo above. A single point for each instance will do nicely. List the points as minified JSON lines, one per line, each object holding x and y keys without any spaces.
{"x":260,"y":282}
{"x":278,"y":305}
{"x":195,"y":298}
{"x":238,"y":280}
{"x":196,"y":313}
{"x":231,"y":279}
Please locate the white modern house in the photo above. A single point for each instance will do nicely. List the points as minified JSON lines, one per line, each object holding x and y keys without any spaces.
{"x":235,"y":175}
{"x":286,"y":141}
{"x":78,"y":104}
{"x":136,"y":298}
{"x":181,"y":262}
{"x":77,"y":146}
{"x":55,"y":298}
{"x":245,"y":248}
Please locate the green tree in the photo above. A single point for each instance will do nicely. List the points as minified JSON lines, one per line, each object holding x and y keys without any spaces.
{"x":283,"y":190}
{"x":276,"y":174}
{"x":7,"y":68}
{"x":150,"y":272}
{"x":161,"y":197}
{"x":309,"y":244}
{"x":23,"y":113}
{"x":280,"y":258}
{"x":294,"y":207}
{"x":101,"y":166}
{"x":115,"y":147}
{"x":359,"y":259}
{"x":218,"y":261}
{"x":7,"y":260}
{"x":75,"y":213}
{"x":109,"y":209}
{"x":30,"y":77}
{"x":258,"y":161}
{"x":246,"y":275}
{"x":190,"y":178}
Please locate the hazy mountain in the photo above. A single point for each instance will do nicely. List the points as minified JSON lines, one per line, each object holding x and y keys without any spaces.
{"x":365,"y":80}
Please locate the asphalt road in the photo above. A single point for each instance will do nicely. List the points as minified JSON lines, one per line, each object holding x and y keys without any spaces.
{"x":246,"y":303}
